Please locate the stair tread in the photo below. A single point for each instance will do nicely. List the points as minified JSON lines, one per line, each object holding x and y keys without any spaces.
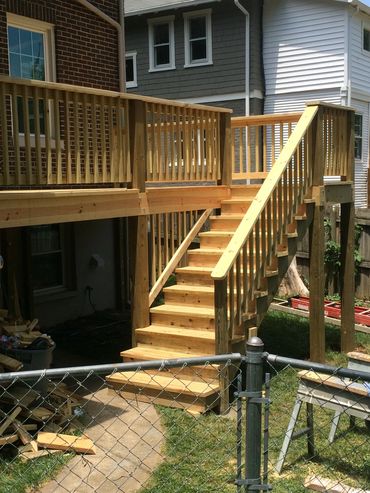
{"x":225,"y":234}
{"x":174,"y":330}
{"x":205,"y":251}
{"x":230,"y":216}
{"x":189,"y":287}
{"x":167,"y":383}
{"x":144,"y":353}
{"x":196,"y":311}
{"x":196,"y":269}
{"x":237,"y":200}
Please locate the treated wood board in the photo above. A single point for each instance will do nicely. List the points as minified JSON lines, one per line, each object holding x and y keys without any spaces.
{"x":25,"y":456}
{"x":335,"y":382}
{"x":59,"y":441}
{"x":9,"y":419}
{"x":8,"y":439}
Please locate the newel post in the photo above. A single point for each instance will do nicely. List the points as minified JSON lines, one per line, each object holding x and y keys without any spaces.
{"x":223,"y":344}
{"x":225,"y":150}
{"x":138,"y":225}
{"x":317,"y":243}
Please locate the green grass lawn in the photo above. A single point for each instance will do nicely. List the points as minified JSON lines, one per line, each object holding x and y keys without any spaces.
{"x":200,"y":452}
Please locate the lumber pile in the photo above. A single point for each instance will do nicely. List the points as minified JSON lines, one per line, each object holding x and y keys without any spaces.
{"x":17,"y":334}
{"x":38,"y":425}
{"x":324,"y":485}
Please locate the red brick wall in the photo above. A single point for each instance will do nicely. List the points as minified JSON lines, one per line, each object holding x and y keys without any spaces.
{"x":86,"y":46}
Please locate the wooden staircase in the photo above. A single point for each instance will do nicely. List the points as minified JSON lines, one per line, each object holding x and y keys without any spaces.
{"x":228,"y":283}
{"x":184,"y":326}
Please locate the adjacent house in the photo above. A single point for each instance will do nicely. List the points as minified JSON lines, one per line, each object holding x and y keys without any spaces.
{"x":320,"y":50}
{"x":199,"y":51}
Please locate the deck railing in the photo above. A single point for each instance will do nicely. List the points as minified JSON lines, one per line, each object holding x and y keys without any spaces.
{"x":257,"y":142}
{"x":57,"y":134}
{"x":320,"y":144}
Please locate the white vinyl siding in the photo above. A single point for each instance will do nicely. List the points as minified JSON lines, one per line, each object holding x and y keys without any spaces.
{"x":304,"y":45}
{"x":360,"y":59}
{"x":361,"y":165}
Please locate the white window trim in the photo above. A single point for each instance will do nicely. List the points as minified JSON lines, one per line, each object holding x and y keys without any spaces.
{"x":133,"y":55}
{"x":207,"y":13}
{"x":151,"y":23}
{"x":45,"y":28}
{"x":365,"y":25}
{"x":360,"y":159}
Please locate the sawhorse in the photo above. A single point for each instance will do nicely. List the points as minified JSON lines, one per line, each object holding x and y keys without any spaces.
{"x":334,"y":393}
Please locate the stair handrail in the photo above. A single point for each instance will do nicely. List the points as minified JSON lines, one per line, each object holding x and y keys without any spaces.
{"x":311,"y":152}
{"x":178,"y":255}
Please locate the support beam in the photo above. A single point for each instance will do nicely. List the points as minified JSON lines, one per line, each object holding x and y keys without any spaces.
{"x":347,"y":276}
{"x":317,"y":286}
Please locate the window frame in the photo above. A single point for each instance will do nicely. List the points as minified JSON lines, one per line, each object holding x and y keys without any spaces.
{"x":44,"y":28}
{"x":133,"y":55}
{"x":365,"y":27}
{"x":171,"y":33}
{"x":67,"y":255}
{"x":359,"y":138}
{"x":207,"y":13}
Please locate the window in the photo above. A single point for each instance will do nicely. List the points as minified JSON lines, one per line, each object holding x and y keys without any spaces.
{"x":161,"y":44}
{"x":131,"y":70}
{"x":366,"y":39}
{"x":30,"y":45}
{"x":198,"y":38}
{"x":51,"y":247}
{"x":358,"y":136}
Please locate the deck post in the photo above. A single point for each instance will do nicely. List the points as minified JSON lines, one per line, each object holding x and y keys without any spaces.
{"x":317,"y":248}
{"x":225,"y":150}
{"x":138,"y":225}
{"x":347,"y":243}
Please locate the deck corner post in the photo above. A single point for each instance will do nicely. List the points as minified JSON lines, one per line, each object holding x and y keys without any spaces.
{"x":138,"y":151}
{"x":317,"y":249}
{"x":225,"y":150}
{"x":254,"y":383}
{"x":347,"y":276}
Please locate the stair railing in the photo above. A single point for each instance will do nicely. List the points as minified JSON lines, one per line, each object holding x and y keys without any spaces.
{"x":166,"y":232}
{"x":318,"y":146}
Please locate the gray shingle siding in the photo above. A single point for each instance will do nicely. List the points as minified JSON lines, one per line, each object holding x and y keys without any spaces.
{"x":225,"y":76}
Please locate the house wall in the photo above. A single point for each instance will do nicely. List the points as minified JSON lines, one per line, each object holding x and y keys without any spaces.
{"x":86,"y":46}
{"x":360,"y":59}
{"x":304,"y":45}
{"x":226,"y":76}
{"x":90,"y":237}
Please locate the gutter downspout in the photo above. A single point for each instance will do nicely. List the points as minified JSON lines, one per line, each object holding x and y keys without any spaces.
{"x":119,"y":26}
{"x":247,"y":57}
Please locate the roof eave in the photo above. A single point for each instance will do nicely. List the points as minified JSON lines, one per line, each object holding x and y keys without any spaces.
{"x":162,"y":8}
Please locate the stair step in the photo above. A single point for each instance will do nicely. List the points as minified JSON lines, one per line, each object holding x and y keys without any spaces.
{"x":245,"y":191}
{"x":189,"y":295}
{"x":194,"y":275}
{"x":234,"y":205}
{"x":226,"y":222}
{"x":194,"y":396}
{"x":215,"y":239}
{"x":148,"y":353}
{"x":171,"y":337}
{"x":195,"y":317}
{"x":204,"y":256}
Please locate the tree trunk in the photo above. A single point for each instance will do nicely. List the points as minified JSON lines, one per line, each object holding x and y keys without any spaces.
{"x":292,"y":284}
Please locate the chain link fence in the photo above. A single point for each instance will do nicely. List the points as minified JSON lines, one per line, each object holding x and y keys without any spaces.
{"x":156,"y":427}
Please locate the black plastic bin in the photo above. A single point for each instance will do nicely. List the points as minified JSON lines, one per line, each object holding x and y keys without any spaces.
{"x":34,"y":359}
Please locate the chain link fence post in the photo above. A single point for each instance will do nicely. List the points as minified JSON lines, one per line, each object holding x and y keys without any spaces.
{"x":254,"y":357}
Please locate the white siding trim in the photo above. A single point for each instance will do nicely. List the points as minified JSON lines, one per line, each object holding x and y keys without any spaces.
{"x":214,"y":99}
{"x":171,"y":33}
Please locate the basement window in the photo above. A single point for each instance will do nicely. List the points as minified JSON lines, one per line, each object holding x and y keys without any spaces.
{"x":161,"y":44}
{"x":51,"y":258}
{"x":198,"y":38}
{"x":131,"y":69}
{"x":358,"y":136}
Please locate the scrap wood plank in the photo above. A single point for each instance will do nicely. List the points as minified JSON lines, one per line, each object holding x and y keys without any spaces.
{"x":325,"y":485}
{"x":20,"y":395}
{"x":58,"y":441}
{"x":10,"y":363}
{"x":9,"y":419}
{"x":12,"y":330}
{"x":23,"y":434}
{"x":26,"y":456}
{"x":8,"y":439}
{"x":32,"y":324}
